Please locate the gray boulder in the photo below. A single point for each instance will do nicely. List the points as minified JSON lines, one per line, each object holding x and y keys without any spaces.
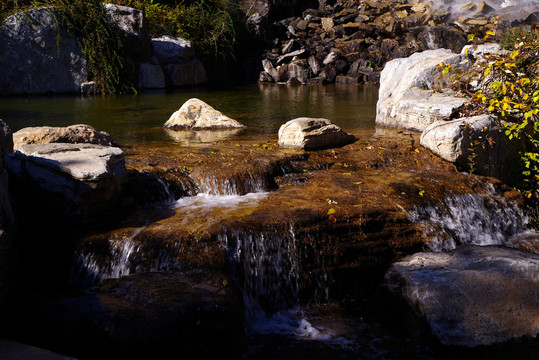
{"x":472,"y":296}
{"x":197,"y":115}
{"x":133,"y":28}
{"x":404,"y":97}
{"x":172,"y":50}
{"x":38,"y":56}
{"x":77,"y":179}
{"x":475,"y":143}
{"x":313,"y":134}
{"x":151,"y":76}
{"x":74,"y":134}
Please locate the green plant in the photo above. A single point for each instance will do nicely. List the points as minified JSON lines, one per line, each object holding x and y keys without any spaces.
{"x":509,"y":89}
{"x":100,"y":40}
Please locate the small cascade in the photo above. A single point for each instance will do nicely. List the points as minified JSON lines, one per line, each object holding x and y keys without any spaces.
{"x":476,"y":219}
{"x":116,"y":258}
{"x":266,"y":266}
{"x":237,"y":185}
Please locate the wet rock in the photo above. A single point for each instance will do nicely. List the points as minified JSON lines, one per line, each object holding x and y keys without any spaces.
{"x":196,"y":114}
{"x":172,"y":50}
{"x":7,"y":253}
{"x":475,"y":143}
{"x":313,"y":134}
{"x":77,"y":180}
{"x":472,"y":296}
{"x":30,"y":62}
{"x":298,"y":70}
{"x":163,"y":315}
{"x":74,"y":134}
{"x":270,"y":70}
{"x":403,"y":102}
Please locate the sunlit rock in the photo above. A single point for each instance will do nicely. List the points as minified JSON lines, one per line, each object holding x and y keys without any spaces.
{"x":196,"y":114}
{"x":74,"y":179}
{"x":74,"y":134}
{"x":406,"y":98}
{"x":473,"y":296}
{"x":313,"y":134}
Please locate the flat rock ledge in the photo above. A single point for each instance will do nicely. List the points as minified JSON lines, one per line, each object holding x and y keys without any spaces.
{"x":472,"y":296}
{"x":74,"y":134}
{"x":195,"y":114}
{"x":313,"y":134}
{"x":76,"y":180}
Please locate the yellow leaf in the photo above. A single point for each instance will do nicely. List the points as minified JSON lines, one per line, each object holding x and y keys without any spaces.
{"x":490,"y":32}
{"x":421,"y":192}
{"x":358,"y":183}
{"x":487,"y":71}
{"x":331,"y":211}
{"x":225,"y":282}
{"x":504,"y":89}
{"x":347,"y":173}
{"x":466,"y":52}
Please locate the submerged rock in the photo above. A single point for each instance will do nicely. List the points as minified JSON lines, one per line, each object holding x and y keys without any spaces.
{"x":31,"y":61}
{"x":74,"y":134}
{"x":472,"y":296}
{"x":313,"y":134}
{"x":167,"y":315}
{"x":197,"y":115}
{"x":81,"y":179}
{"x":405,"y":99}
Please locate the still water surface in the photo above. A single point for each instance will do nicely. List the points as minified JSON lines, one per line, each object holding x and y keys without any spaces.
{"x":134,"y":119}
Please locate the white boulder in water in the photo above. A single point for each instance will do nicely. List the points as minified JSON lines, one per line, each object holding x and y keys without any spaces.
{"x":313,"y":134}
{"x":472,"y":296}
{"x":406,"y":98}
{"x":197,"y":115}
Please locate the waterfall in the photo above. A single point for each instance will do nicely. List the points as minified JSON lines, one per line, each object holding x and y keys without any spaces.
{"x":115,"y":258}
{"x":476,"y":219}
{"x":266,"y":266}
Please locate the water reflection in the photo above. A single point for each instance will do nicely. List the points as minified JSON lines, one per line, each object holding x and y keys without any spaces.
{"x":138,"y":118}
{"x":187,"y":137}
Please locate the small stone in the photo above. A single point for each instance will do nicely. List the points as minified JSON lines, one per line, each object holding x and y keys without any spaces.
{"x":313,"y":134}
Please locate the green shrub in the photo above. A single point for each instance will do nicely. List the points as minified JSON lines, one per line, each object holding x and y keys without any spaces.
{"x":510,"y":90}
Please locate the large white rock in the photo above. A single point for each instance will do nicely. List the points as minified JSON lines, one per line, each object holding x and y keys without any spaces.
{"x":74,"y":134}
{"x":313,"y":134}
{"x":32,"y":61}
{"x":404,"y":99}
{"x":197,"y":115}
{"x":472,"y":296}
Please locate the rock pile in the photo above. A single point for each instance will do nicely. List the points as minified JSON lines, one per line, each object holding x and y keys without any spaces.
{"x":350,"y":41}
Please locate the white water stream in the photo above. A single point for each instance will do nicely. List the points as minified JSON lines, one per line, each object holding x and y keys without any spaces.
{"x":474,"y":219}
